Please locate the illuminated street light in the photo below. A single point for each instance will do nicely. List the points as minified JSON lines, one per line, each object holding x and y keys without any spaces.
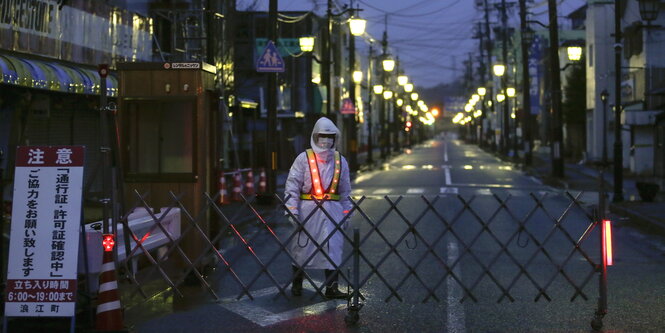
{"x":357,"y":77}
{"x":510,"y":91}
{"x":414,"y":96}
{"x":387,"y":94}
{"x":388,"y":64}
{"x":482,"y":91}
{"x":400,"y":102}
{"x":574,"y":53}
{"x":357,"y":26}
{"x":402,"y":80}
{"x":500,"y":97}
{"x":499,"y":69}
{"x":408,"y":87}
{"x":306,"y":43}
{"x":378,"y":89}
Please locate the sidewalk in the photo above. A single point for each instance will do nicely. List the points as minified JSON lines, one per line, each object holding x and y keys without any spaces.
{"x":648,"y":216}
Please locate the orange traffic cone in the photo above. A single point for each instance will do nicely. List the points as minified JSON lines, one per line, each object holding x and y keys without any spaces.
{"x":109,"y":309}
{"x":224,"y":198}
{"x":262,"y":181}
{"x":249,"y":183}
{"x":237,"y":187}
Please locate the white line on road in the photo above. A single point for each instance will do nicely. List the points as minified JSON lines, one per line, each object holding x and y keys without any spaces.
{"x":448,"y":179}
{"x":382,"y":191}
{"x":415,"y":191}
{"x":449,"y":190}
{"x":455,"y":322}
{"x":445,"y":151}
{"x":262,"y":317}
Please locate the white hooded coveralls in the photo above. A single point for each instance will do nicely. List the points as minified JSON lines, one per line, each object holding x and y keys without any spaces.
{"x":319,"y":225}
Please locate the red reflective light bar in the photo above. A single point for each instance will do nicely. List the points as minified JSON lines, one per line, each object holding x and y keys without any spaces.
{"x":607,"y":243}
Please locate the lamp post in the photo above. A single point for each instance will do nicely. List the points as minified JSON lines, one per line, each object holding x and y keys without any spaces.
{"x":526,"y":37}
{"x":618,"y":145}
{"x":500,"y":71}
{"x":370,"y":146}
{"x":510,"y":92}
{"x":356,"y":28}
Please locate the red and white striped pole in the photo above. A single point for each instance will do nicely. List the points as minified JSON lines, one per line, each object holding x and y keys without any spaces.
{"x":109,"y":309}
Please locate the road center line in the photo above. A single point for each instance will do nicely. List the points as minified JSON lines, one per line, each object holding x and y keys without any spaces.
{"x":455,"y":320}
{"x":445,"y":151}
{"x":448,"y":179}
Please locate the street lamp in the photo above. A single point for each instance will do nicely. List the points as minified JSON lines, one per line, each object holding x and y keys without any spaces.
{"x":574,"y":52}
{"x":388,"y":64}
{"x":408,"y":87}
{"x":402,"y":80}
{"x":414,"y":96}
{"x":510,"y":91}
{"x":500,"y":97}
{"x":357,"y":26}
{"x":499,"y":70}
{"x":387,"y":94}
{"x":378,"y":89}
{"x":482,"y":91}
{"x":649,"y":9}
{"x":357,"y":77}
{"x":306,"y":43}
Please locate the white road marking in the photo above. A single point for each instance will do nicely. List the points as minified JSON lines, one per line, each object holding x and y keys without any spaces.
{"x":483,"y":191}
{"x":536,"y":180}
{"x":445,"y":152}
{"x":263,"y":317}
{"x":415,"y":191}
{"x":448,"y":178}
{"x":455,"y":322}
{"x":364,"y":177}
{"x":382,"y":191}
{"x":449,"y":190}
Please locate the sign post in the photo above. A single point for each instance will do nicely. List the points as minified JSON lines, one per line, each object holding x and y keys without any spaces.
{"x":44,"y":235}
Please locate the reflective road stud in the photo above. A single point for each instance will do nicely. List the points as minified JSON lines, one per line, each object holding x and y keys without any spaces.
{"x":109,"y":310}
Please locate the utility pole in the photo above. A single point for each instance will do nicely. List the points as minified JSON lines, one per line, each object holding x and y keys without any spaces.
{"x":481,"y":71}
{"x":558,"y":170}
{"x":385,"y":147}
{"x":327,"y":60}
{"x":526,"y":97}
{"x":370,"y":146}
{"x":352,"y":143}
{"x":505,"y":126}
{"x":489,"y":65}
{"x":618,"y":145}
{"x":271,"y":100}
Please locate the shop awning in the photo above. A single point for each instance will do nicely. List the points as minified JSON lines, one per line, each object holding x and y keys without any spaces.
{"x":53,"y":75}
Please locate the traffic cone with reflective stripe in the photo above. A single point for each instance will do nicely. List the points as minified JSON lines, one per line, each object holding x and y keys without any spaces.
{"x":224,"y":198}
{"x":109,"y":310}
{"x":237,"y":187}
{"x":262,"y":181}
{"x":249,"y":183}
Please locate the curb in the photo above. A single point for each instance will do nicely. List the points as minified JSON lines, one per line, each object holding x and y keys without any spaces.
{"x":650,"y":224}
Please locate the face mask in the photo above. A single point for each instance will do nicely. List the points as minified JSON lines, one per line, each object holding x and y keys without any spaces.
{"x":325,"y":143}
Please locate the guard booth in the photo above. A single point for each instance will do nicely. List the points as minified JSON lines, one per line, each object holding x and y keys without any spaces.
{"x":167,"y":116}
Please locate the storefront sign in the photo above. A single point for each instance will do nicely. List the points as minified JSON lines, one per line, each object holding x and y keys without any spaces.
{"x":44,"y":236}
{"x":45,"y":27}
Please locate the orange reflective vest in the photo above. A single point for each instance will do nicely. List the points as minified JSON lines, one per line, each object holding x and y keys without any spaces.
{"x":317,"y":190}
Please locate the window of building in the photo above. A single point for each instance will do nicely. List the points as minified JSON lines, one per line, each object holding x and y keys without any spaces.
{"x":160,"y":138}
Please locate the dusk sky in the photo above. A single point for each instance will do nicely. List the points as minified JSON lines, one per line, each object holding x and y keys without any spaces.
{"x":431,"y":37}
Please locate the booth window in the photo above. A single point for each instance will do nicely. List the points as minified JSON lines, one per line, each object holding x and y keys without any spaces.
{"x":160,"y":138}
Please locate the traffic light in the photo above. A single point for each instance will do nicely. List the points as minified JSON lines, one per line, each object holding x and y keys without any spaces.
{"x":408,"y":126}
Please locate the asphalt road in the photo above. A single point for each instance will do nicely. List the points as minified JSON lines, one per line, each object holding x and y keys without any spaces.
{"x":452,"y":240}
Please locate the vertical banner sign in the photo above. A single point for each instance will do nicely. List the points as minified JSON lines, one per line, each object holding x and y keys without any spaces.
{"x":535,"y":73}
{"x":44,"y":236}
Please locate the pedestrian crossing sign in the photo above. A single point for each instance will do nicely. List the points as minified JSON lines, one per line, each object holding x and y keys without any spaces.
{"x":347,"y":107}
{"x":270,"y":61}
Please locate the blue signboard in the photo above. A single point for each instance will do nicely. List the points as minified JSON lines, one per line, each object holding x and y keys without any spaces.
{"x":270,"y":60}
{"x":535,"y":74}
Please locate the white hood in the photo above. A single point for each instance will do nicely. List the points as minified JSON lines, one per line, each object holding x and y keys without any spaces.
{"x":324,"y":126}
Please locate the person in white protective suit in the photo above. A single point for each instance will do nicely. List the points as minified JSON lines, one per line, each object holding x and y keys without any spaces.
{"x":322,"y":173}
